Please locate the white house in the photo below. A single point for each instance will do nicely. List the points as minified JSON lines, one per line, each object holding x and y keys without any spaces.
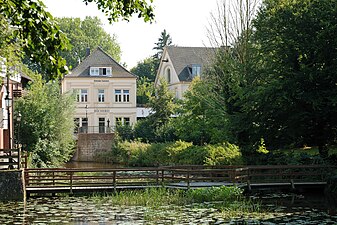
{"x":106,"y":93}
{"x":179,"y":65}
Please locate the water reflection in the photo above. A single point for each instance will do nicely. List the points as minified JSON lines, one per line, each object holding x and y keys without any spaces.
{"x":81,"y":210}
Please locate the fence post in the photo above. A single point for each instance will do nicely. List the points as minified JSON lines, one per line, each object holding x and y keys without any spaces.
{"x":157,"y":176}
{"x":188,"y":179}
{"x":162,"y":177}
{"x":114,"y":180}
{"x":71,"y":183}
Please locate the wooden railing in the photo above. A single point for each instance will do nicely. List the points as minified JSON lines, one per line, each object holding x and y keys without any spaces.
{"x":284,"y":174}
{"x":169,"y":176}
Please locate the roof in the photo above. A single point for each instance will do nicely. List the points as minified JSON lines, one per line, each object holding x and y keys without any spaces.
{"x":183,"y":57}
{"x":99,"y":58}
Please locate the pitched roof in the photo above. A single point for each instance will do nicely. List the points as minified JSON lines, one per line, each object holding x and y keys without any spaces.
{"x":99,"y":58}
{"x":183,"y":57}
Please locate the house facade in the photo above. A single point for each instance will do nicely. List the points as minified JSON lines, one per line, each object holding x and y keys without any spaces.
{"x":106,"y":93}
{"x":179,"y":65}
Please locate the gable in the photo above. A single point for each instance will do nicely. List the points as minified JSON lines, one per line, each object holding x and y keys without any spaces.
{"x":100,"y":59}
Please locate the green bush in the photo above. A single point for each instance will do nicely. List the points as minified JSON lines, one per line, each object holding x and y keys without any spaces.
{"x":223,"y":154}
{"x":136,"y":153}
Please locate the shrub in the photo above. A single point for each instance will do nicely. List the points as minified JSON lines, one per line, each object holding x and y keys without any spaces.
{"x":224,"y":154}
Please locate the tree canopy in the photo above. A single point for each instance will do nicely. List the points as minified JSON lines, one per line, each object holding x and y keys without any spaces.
{"x":46,"y":127}
{"x":86,"y":33}
{"x":41,"y":36}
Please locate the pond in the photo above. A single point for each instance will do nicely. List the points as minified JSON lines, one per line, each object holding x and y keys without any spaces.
{"x":80,"y":210}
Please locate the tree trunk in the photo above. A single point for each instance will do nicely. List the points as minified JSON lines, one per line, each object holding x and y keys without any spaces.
{"x":323,"y":150}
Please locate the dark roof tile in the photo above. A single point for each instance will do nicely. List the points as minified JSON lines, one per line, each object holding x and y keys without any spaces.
{"x":99,"y":58}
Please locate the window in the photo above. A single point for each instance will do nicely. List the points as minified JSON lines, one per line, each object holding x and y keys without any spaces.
{"x":196,"y":70}
{"x":100,"y":95}
{"x":168,"y":75}
{"x":118,"y":95}
{"x":101,"y":125}
{"x":82,"y":95}
{"x":94,"y":71}
{"x":122,"y":95}
{"x":100,"y":71}
{"x":127,"y":121}
{"x":126,"y":95}
{"x":84,"y":128}
{"x":122,"y":121}
{"x":119,"y":121}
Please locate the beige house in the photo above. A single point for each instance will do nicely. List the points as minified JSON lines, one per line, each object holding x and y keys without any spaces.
{"x":106,"y":93}
{"x":179,"y":65}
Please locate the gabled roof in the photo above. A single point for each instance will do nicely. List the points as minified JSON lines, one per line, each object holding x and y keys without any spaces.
{"x":183,"y":57}
{"x":99,"y":58}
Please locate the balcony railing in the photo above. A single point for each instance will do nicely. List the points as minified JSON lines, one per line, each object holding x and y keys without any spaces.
{"x":95,"y":130}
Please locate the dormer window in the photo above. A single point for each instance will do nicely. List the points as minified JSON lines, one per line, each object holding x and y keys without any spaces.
{"x":100,"y":71}
{"x":196,"y":70}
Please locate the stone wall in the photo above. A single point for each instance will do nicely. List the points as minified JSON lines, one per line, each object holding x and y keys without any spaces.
{"x":88,"y":145}
{"x":12,"y":185}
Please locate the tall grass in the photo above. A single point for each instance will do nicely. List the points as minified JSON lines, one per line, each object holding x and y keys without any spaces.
{"x":226,"y":199}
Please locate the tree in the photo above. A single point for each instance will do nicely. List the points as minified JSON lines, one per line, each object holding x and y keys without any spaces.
{"x":46,"y":128}
{"x":41,"y":36}
{"x":296,"y":101}
{"x":158,"y":124}
{"x":147,"y":68}
{"x":164,"y":40}
{"x":232,"y":73}
{"x":87,"y":33}
{"x":199,"y":120}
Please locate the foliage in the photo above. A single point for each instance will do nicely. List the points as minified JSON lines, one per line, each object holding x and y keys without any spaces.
{"x":145,"y":89}
{"x":83,"y":34}
{"x":157,"y":127}
{"x":156,"y":197}
{"x":137,"y":153}
{"x":164,"y":40}
{"x":223,"y":154}
{"x":41,"y":37}
{"x":147,"y":69}
{"x":46,"y":127}
{"x":124,"y":9}
{"x":223,"y":193}
{"x":125,"y":132}
{"x":295,"y":100}
{"x":200,"y":121}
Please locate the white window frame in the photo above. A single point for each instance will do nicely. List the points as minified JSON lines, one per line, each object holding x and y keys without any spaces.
{"x":122,"y":121}
{"x":196,"y":70}
{"x":83,"y":95}
{"x":99,"y":71}
{"x":118,"y":95}
{"x":126,"y":95}
{"x":101,"y":97}
{"x":122,"y":95}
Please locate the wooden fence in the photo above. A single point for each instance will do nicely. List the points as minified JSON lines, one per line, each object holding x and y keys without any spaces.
{"x":70,"y":180}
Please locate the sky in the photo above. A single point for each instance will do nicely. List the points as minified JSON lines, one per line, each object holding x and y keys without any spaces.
{"x":185,"y":20}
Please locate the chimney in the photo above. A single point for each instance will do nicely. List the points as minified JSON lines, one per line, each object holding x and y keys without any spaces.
{"x":87,"y":52}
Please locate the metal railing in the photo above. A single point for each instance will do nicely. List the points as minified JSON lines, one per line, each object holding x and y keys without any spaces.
{"x":95,"y":130}
{"x":10,"y":159}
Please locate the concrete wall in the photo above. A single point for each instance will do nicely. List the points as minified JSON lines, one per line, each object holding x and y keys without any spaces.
{"x":11,"y":185}
{"x":88,"y":145}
